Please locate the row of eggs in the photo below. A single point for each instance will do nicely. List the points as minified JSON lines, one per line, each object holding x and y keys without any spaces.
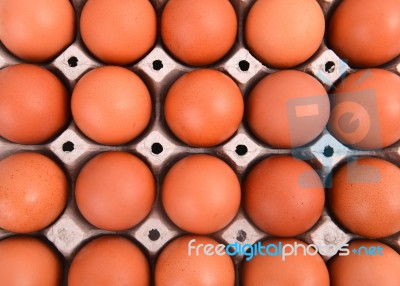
{"x":281,"y":34}
{"x":203,"y":108}
{"x":201,"y":194}
{"x":115,"y":260}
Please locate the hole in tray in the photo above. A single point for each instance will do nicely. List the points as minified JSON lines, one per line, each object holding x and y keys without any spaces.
{"x":244,"y":65}
{"x":241,"y":150}
{"x":241,"y":236}
{"x":157,"y":65}
{"x":156,"y":148}
{"x":154,"y":234}
{"x":330,"y":67}
{"x":68,"y":147}
{"x":73,"y":62}
{"x":328,"y":151}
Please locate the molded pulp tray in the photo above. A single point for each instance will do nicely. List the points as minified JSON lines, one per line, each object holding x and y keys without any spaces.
{"x":160,"y":149}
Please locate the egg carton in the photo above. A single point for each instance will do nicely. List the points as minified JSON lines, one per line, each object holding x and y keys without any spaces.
{"x":160,"y":149}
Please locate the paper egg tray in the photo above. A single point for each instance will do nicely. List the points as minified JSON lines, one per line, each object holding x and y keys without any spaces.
{"x":160,"y":149}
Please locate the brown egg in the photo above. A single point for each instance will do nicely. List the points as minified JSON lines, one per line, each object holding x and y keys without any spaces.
{"x":109,"y":261}
{"x":366,"y":33}
{"x":300,"y":270}
{"x":365,"y":197}
{"x":284,"y":33}
{"x":283,"y":196}
{"x":34,"y":104}
{"x":118,"y":32}
{"x":115,"y":191}
{"x":204,"y":108}
{"x":366,"y":109}
{"x":36,"y":31}
{"x":360,"y":269}
{"x":26,"y":260}
{"x":111,"y":105}
{"x":33,"y":192}
{"x":288,"y":109}
{"x":201,"y":194}
{"x":198,"y":33}
{"x":175,"y":266}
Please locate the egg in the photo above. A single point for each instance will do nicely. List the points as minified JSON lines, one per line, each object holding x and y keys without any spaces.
{"x":36,"y":31}
{"x":111,"y":105}
{"x":34,"y":104}
{"x":365,"y":197}
{"x":26,"y":260}
{"x":33,"y":192}
{"x":300,"y":270}
{"x":366,"y":109}
{"x":201,"y":194}
{"x":198,"y":33}
{"x":118,"y":32}
{"x":366,"y":33}
{"x":284,"y":33}
{"x":283,"y":196}
{"x":174,"y":266}
{"x":360,"y":269}
{"x":109,"y":261}
{"x":204,"y":108}
{"x":287,"y":109}
{"x":115,"y":191}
